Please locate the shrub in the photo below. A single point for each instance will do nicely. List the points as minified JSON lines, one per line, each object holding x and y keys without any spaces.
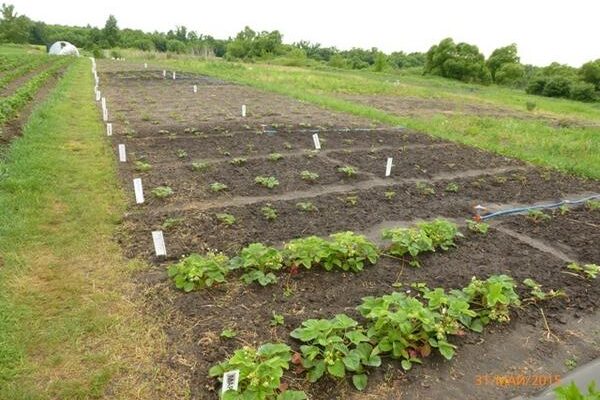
{"x":583,"y":91}
{"x":197,"y":272}
{"x":510,"y":74}
{"x":537,"y":85}
{"x":558,"y":87}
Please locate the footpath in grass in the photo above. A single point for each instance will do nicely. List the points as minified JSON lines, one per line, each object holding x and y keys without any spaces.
{"x":574,"y":149}
{"x":69,"y":327}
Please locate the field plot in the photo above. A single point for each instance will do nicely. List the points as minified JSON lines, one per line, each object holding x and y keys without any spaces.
{"x":217,"y":181}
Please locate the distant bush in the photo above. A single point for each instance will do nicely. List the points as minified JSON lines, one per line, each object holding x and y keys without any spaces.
{"x":510,"y":74}
{"x":337,"y":61}
{"x":115,"y":54}
{"x":460,"y":61}
{"x":559,"y":86}
{"x":500,"y":57}
{"x":590,"y":73}
{"x":175,"y":46}
{"x":583,"y":91}
{"x":144,"y":44}
{"x":536,"y":85}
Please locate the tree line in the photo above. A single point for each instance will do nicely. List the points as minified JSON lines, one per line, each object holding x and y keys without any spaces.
{"x":460,"y":61}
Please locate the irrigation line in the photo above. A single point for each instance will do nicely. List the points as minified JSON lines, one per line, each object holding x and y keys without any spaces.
{"x":519,"y":210}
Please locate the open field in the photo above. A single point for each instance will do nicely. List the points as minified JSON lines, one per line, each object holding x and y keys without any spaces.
{"x":180,"y":143}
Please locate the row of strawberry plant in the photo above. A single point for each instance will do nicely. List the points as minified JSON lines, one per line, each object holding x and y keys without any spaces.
{"x":9,"y":106}
{"x":11,"y":62}
{"x":396,"y":325}
{"x":345,"y":251}
{"x":15,"y":73}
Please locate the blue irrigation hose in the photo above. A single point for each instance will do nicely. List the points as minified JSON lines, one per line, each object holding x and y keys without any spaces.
{"x":511,"y":211}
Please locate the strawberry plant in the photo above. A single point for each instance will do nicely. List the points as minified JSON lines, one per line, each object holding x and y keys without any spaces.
{"x":228,"y":333}
{"x":348,"y":170}
{"x":389,"y":195}
{"x":225,"y":218}
{"x":274,"y":157}
{"x":200,"y":166}
{"x":269,"y":212}
{"x":334,"y":346}
{"x":197,"y":272}
{"x":309,"y":176}
{"x":441,"y":232}
{"x":537,"y":293}
{"x":477,"y":226}
{"x":451,"y":187}
{"x":590,"y":271}
{"x":351,"y":200}
{"x":218,"y":187}
{"x":238,"y":161}
{"x":260,"y":373}
{"x":425,"y":189}
{"x":572,"y":392}
{"x":170,"y":223}
{"x":142,"y":166}
{"x":162,"y":192}
{"x":277,"y":319}
{"x":181,"y":153}
{"x":267,"y":181}
{"x":493,"y":298}
{"x":258,"y":261}
{"x":305,"y":252}
{"x":349,"y":252}
{"x":592,"y":205}
{"x":538,"y":216}
{"x":306,"y":206}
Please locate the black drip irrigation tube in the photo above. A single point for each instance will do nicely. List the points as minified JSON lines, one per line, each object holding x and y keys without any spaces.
{"x":519,"y":210}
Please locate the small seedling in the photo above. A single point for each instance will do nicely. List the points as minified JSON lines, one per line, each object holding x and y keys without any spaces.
{"x":269,"y":212}
{"x":218,"y":187}
{"x":311,"y":153}
{"x":571,"y":364}
{"x":592,"y":205}
{"x":590,"y":271}
{"x":538,"y":216}
{"x":538,"y":294}
{"x":267,"y":181}
{"x":564,"y":209}
{"x":274,"y":157}
{"x":142,"y":166}
{"x":200,"y":166}
{"x":500,"y":179}
{"x":238,"y":161}
{"x":389,"y":195}
{"x":225,"y":218}
{"x":348,"y":170}
{"x":277,"y":319}
{"x":351,"y":200}
{"x":306,"y":206}
{"x":162,"y":192}
{"x":228,"y":333}
{"x":287,"y":145}
{"x":451,"y":187}
{"x":181,"y":153}
{"x":478,"y":226}
{"x":309,"y":176}
{"x":170,"y":223}
{"x":425,"y":189}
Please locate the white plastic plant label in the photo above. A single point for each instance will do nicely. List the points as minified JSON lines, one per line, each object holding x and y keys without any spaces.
{"x":103,"y":102}
{"x":388,"y":166}
{"x":159,"y":243}
{"x":195,"y":88}
{"x":139,"y":190}
{"x":164,"y":73}
{"x":145,"y":65}
{"x":174,"y":75}
{"x":122,"y":153}
{"x":243,"y":110}
{"x":316,"y":141}
{"x":230,"y":380}
{"x":108,"y":129}
{"x":98,"y":95}
{"x":104,"y":114}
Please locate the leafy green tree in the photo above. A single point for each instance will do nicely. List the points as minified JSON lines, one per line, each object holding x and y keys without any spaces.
{"x":502,"y":56}
{"x":337,"y":61}
{"x":460,"y":61}
{"x":175,"y":46}
{"x":510,"y":74}
{"x":14,"y":28}
{"x":559,"y":86}
{"x":583,"y":91}
{"x":111,"y":32}
{"x":400,"y":59}
{"x":250,"y":44}
{"x":381,"y":62}
{"x":590,"y":72}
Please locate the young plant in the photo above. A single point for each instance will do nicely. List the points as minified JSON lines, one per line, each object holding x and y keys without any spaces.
{"x":309,"y":176}
{"x":477,"y":226}
{"x":564,"y":209}
{"x":258,"y":261}
{"x":170,"y":223}
{"x":269,"y":212}
{"x":441,"y":232}
{"x":305,"y":252}
{"x":348,"y":170}
{"x":218,"y":187}
{"x":181,"y":153}
{"x":260,"y":373}
{"x":351,"y":200}
{"x":200,"y":166}
{"x":162,"y":192}
{"x":267,"y":181}
{"x":238,"y":161}
{"x":274,"y":157}
{"x":142,"y":166}
{"x":538,"y":216}
{"x":590,"y":271}
{"x":494,"y":297}
{"x":538,"y":294}
{"x":225,"y":218}
{"x":349,"y":252}
{"x":592,"y":205}
{"x":228,"y":333}
{"x":572,"y":392}
{"x":306,"y":206}
{"x":425,"y":189}
{"x":389,"y":195}
{"x":277,"y":319}
{"x":451,"y":187}
{"x":197,"y":272}
{"x":334,"y":346}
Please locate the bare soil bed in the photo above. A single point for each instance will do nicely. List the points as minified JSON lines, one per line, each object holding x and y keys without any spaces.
{"x":430,"y":178}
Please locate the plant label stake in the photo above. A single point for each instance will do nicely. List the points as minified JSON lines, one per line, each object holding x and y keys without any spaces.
{"x":105,"y":115}
{"x":122,"y":153}
{"x":316,"y":141}
{"x":103,"y":102}
{"x":243,"y":110}
{"x":195,"y":88}
{"x":108,"y":129}
{"x":164,"y":73}
{"x":145,"y":65}
{"x":159,"y":243}
{"x":139,"y":190}
{"x":230,"y":380}
{"x":173,"y":75}
{"x":98,"y":94}
{"x":388,"y":166}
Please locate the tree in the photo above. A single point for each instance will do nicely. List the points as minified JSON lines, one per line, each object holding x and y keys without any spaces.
{"x":460,"y":61}
{"x":14,"y":28}
{"x":380,"y":63}
{"x":502,"y":56}
{"x":583,"y":91}
{"x":510,"y":74}
{"x":110,"y":32}
{"x":250,"y":44}
{"x":590,"y":72}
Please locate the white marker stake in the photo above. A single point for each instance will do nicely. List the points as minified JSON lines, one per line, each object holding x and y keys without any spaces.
{"x":174,"y":75}
{"x":145,"y":65}
{"x":98,"y":95}
{"x":164,"y":73}
{"x":388,"y":166}
{"x":122,"y":153}
{"x":105,"y":115}
{"x":317,"y":141}
{"x":195,"y":88}
{"x":243,"y":110}
{"x":103,"y":102}
{"x":139,"y":190}
{"x":230,"y":381}
{"x":109,"y":129}
{"x":159,"y":243}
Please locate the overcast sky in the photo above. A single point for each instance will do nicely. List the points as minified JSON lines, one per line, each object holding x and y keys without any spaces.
{"x":552,"y":30}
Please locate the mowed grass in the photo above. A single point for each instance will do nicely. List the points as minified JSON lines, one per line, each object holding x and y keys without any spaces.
{"x":574,"y":148}
{"x":69,"y":328}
